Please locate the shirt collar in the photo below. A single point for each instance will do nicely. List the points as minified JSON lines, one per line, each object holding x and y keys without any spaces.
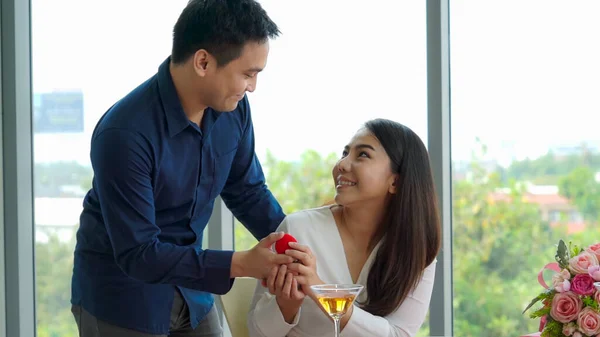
{"x":177,"y":121}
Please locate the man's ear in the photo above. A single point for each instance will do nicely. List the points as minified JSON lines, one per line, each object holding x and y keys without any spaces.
{"x":201,"y":62}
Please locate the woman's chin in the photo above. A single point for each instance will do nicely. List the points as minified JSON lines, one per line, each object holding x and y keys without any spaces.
{"x":343,"y":200}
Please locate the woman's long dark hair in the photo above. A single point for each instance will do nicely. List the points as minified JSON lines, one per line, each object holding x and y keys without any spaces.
{"x":410,"y":232}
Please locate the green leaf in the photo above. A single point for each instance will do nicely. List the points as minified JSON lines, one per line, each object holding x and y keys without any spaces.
{"x":547,"y":294}
{"x":562,"y":254}
{"x":574,"y":249}
{"x":534,"y":301}
{"x":552,"y":329}
{"x":543,"y":311}
{"x":589,"y":301}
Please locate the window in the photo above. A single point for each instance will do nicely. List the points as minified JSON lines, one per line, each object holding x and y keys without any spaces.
{"x":555,"y":216}
{"x":323,"y":81}
{"x":81,"y":64}
{"x":524,"y":85}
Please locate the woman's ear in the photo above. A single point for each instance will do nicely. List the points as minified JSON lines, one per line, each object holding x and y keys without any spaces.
{"x":393,"y":184}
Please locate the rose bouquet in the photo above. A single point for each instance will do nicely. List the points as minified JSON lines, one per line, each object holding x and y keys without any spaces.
{"x":570,"y":305}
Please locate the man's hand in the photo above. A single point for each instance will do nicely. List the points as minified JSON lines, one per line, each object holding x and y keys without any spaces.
{"x":260,"y":260}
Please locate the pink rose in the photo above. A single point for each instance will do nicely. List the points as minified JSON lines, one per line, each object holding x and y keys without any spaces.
{"x":580,"y":263}
{"x":594,"y":272}
{"x":560,"y":281}
{"x":559,"y":277}
{"x":589,"y":321}
{"x":563,"y":275}
{"x":565,"y":306}
{"x":569,"y":329}
{"x":583,"y":284}
{"x":594,"y":249}
{"x":562,"y":287}
{"x":577,"y":334}
{"x":597,"y":296}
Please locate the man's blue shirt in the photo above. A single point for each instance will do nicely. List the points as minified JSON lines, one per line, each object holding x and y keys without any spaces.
{"x":156,"y":177}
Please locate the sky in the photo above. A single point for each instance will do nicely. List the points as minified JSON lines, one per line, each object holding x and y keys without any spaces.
{"x":525,"y":74}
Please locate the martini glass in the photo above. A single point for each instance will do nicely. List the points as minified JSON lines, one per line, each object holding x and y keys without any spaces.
{"x":336,"y":299}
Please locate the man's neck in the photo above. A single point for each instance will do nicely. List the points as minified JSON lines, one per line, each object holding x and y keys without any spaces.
{"x":194,"y":110}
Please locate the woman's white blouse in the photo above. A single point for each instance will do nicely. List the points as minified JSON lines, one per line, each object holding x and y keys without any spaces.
{"x":317,"y":229}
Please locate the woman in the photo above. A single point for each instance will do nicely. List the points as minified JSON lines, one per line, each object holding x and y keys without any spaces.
{"x":383,"y":232}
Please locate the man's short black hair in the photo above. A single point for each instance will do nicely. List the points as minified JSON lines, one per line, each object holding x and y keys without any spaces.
{"x":221,"y":27}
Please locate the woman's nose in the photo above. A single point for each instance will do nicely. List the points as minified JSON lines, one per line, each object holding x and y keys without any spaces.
{"x":343,"y":165}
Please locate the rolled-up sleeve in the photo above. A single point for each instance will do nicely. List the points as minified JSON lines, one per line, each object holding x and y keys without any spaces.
{"x":122,"y":163}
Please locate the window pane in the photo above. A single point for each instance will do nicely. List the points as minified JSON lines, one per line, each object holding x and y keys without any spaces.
{"x":86,"y":55}
{"x":324,"y":80}
{"x":524,"y":151}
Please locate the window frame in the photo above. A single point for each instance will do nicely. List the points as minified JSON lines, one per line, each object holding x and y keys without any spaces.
{"x":17,"y":275}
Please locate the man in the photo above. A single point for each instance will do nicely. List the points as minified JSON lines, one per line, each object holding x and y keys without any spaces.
{"x":161,"y":155}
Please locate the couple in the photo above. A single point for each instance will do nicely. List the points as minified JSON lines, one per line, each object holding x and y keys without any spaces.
{"x":383,"y":233}
{"x":162,"y":155}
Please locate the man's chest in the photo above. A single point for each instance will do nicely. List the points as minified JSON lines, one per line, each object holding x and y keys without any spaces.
{"x":191,"y":170}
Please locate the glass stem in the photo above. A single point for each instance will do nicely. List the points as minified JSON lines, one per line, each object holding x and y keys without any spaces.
{"x":336,"y":322}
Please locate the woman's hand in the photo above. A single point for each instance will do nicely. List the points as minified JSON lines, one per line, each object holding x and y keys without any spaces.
{"x":284,"y":286}
{"x":306,"y":269}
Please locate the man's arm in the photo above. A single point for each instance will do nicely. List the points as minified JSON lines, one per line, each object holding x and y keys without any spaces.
{"x":122,"y":167}
{"x":245,"y":192}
